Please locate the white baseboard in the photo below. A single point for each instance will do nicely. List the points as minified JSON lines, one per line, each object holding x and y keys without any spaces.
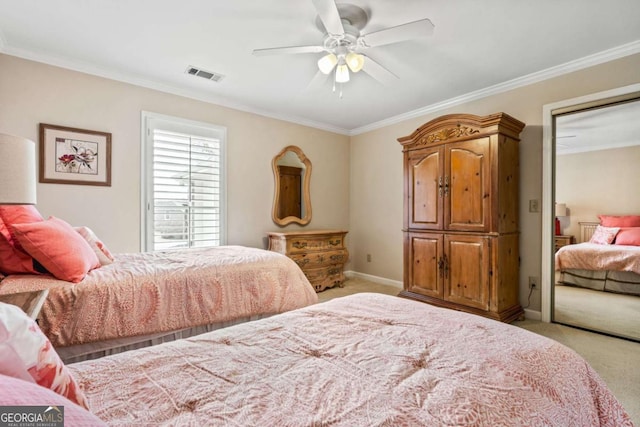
{"x":372,"y":278}
{"x":532,"y":314}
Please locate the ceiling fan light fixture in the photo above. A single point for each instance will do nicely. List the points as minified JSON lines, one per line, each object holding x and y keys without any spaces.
{"x":342,"y":73}
{"x":327,"y":62}
{"x":355,"y":61}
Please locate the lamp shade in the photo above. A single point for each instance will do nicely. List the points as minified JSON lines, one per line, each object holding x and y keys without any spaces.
{"x":561,"y":209}
{"x":17,"y":171}
{"x":327,"y":62}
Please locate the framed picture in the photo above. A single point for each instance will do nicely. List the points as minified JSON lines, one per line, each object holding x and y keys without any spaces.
{"x":74,"y":156}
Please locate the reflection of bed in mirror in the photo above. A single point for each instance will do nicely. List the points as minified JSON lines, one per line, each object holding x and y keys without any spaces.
{"x":598,"y":285}
{"x":608,"y":268}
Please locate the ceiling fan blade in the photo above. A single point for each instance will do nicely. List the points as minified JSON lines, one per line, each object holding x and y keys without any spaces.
{"x":287,"y":50}
{"x":378,"y":72}
{"x":328,"y":13}
{"x":411,"y":30}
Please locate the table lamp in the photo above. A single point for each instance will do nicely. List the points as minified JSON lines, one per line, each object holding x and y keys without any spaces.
{"x":561,"y":210}
{"x":17,"y":170}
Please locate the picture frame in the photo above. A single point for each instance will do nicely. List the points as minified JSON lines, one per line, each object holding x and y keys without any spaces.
{"x":74,"y":156}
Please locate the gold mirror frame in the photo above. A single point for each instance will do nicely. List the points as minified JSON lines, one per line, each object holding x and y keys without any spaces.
{"x":305,"y":184}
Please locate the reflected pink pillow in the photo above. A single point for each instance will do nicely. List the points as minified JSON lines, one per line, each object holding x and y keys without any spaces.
{"x":58,"y":247}
{"x":13,"y":259}
{"x":604,"y":235}
{"x":619,"y":221}
{"x":628,"y":236}
{"x":27,"y":354}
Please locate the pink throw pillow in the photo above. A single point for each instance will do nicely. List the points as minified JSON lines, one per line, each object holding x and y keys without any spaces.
{"x":104,"y":255}
{"x":628,"y":236}
{"x":13,"y":259}
{"x":604,"y":235}
{"x":58,"y":247}
{"x":27,"y":354}
{"x":15,"y":392}
{"x":619,"y":221}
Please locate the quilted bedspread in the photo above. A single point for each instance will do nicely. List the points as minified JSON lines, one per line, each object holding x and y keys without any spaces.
{"x":590,"y":256}
{"x":361,"y":360}
{"x":146,"y":293}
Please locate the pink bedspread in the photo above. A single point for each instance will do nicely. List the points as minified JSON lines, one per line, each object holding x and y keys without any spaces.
{"x":361,"y":360}
{"x":145,"y":293}
{"x":590,"y":256}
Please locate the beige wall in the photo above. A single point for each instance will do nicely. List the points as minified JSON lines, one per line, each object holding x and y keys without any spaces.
{"x":356,"y":182}
{"x":376,"y":170}
{"x":33,"y":93}
{"x":597,"y":182}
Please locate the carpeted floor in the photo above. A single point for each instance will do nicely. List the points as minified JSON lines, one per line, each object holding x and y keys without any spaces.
{"x":616,"y":360}
{"x":607,"y":312}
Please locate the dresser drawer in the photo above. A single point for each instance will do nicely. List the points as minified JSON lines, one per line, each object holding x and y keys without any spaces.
{"x":321,"y":255}
{"x":320,"y":259}
{"x":307,"y":244}
{"x":326,"y":277}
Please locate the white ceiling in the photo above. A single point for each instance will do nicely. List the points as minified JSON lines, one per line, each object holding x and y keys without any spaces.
{"x":611,"y":126}
{"x":476,"y":45}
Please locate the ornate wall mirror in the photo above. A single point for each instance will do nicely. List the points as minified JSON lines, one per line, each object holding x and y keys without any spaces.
{"x":292,"y":199}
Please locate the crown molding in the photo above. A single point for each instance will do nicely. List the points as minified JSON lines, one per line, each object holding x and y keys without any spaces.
{"x":136,"y":80}
{"x":558,"y":70}
{"x":568,"y":67}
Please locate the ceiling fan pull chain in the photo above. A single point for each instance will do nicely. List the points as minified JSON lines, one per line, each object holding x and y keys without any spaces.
{"x":340,"y":96}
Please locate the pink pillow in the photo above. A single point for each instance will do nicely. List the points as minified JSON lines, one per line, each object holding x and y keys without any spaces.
{"x":27,"y":354}
{"x":15,"y":392}
{"x":100,"y":249}
{"x":58,"y":247}
{"x":628,"y":236}
{"x":604,"y":235}
{"x":13,"y":259}
{"x":619,"y":221}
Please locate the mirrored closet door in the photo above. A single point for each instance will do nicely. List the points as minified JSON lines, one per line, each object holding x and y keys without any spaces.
{"x":597,"y":217}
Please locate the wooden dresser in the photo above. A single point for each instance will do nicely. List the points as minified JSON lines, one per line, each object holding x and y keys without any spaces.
{"x":461,"y":178}
{"x":321,"y":254}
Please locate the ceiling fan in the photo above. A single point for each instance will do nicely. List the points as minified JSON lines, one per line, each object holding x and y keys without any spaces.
{"x":343,"y":42}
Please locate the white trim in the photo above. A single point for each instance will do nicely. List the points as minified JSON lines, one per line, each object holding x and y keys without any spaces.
{"x":3,"y":41}
{"x":558,"y":70}
{"x":145,"y":182}
{"x":532,"y":314}
{"x":372,"y":278}
{"x":568,"y":67}
{"x":548,"y":190}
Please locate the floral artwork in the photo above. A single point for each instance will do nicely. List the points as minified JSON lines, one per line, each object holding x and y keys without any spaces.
{"x":75,"y":156}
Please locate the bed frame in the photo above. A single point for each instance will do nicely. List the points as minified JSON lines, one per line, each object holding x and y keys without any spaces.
{"x":586,"y":230}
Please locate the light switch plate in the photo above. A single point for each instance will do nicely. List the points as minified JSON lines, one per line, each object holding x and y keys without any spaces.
{"x":534,"y":205}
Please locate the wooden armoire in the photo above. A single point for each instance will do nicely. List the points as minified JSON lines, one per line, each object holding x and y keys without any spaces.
{"x":461,"y":176}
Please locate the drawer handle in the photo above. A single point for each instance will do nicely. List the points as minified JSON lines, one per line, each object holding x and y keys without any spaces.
{"x":336,"y":257}
{"x":334,"y":271}
{"x":334,"y":242}
{"x":299,"y":245}
{"x":302,"y":262}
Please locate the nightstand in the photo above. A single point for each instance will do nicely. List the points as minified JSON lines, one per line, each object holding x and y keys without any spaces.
{"x":29,"y":302}
{"x":561,"y":241}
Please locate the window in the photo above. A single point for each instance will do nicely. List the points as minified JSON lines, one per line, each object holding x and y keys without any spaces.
{"x":183,"y":181}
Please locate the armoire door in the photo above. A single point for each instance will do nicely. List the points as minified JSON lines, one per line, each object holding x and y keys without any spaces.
{"x":467,"y":186}
{"x":467,"y":270}
{"x":426,"y":271}
{"x":425,"y":188}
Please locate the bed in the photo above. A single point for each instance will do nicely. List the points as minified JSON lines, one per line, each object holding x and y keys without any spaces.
{"x":143,"y":299}
{"x":364,"y":359}
{"x":602,"y":267}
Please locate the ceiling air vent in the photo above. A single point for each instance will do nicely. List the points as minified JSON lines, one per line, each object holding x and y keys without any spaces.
{"x":209,"y":75}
